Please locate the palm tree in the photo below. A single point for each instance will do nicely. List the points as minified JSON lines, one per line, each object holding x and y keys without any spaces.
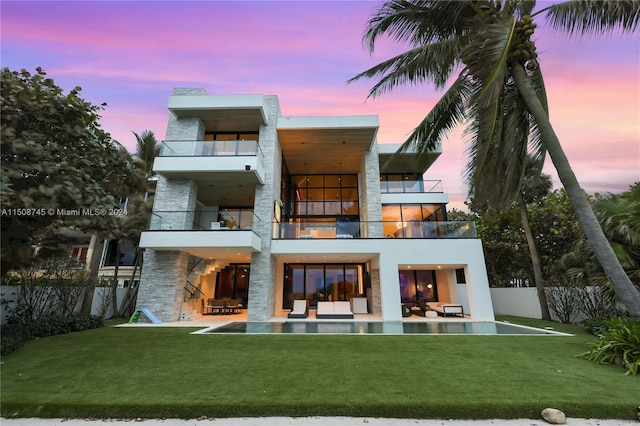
{"x":147,"y":149}
{"x":619,"y":216}
{"x":498,"y":93}
{"x":535,"y":185}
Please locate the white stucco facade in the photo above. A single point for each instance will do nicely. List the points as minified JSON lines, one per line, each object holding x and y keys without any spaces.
{"x":265,"y":209}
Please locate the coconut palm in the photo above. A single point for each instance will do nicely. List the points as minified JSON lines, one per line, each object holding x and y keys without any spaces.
{"x":535,"y":185}
{"x":498,"y":93}
{"x":147,"y":149}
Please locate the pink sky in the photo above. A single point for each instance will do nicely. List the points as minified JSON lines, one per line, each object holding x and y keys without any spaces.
{"x":132,"y":54}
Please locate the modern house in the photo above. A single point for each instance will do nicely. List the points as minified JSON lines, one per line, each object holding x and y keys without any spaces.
{"x":266,"y":209}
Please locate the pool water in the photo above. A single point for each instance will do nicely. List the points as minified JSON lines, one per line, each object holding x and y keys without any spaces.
{"x":449,"y":328}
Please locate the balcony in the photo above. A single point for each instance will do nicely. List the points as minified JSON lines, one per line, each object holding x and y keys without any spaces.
{"x":410,"y":186}
{"x":183,"y":159}
{"x":368,"y":230}
{"x":200,"y":231}
{"x":202,"y":221}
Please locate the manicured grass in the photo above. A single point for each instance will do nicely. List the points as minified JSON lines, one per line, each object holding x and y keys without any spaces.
{"x":166,"y":372}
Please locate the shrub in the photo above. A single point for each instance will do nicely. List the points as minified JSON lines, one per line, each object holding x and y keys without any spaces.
{"x":619,"y":343}
{"x":21,"y":328}
{"x":597,"y":325}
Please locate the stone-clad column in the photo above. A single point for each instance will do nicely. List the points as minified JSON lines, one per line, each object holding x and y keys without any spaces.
{"x":262,"y":286}
{"x":370,"y":199}
{"x":161,"y":283}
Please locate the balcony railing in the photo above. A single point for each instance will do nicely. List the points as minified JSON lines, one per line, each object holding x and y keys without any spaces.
{"x":410,"y":186}
{"x":173,"y":148}
{"x":202,"y":221}
{"x":390,"y":229}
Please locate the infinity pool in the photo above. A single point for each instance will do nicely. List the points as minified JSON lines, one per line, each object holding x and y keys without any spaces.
{"x":449,"y":328}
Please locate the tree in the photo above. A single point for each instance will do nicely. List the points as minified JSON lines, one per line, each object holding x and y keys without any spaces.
{"x":499,"y":92}
{"x":619,"y":215}
{"x":56,"y":161}
{"x":535,"y":185}
{"x":147,"y":149}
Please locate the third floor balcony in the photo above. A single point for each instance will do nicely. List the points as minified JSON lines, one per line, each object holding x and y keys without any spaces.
{"x":182,"y":159}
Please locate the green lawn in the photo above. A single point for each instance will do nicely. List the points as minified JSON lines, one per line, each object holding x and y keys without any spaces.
{"x":166,"y":372}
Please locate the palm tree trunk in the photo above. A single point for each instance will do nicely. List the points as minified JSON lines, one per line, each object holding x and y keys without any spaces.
{"x":96,"y":257}
{"x":132,"y":289}
{"x":114,"y":283}
{"x":624,"y":288}
{"x":536,"y":264}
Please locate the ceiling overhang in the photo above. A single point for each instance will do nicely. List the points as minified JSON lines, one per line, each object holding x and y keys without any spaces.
{"x":222,"y":113}
{"x":326,"y":144}
{"x":392,"y":161}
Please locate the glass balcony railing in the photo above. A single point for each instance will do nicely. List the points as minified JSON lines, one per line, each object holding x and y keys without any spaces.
{"x":410,"y":186}
{"x":390,"y":229}
{"x":202,"y":221}
{"x":171,"y":148}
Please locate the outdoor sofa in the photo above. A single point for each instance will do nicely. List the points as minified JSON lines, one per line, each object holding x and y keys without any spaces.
{"x":334,"y":310}
{"x":445,"y":309}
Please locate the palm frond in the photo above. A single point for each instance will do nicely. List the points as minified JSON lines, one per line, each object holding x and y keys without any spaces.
{"x":594,"y":16}
{"x":433,"y":62}
{"x":536,"y":147}
{"x":417,"y":21}
{"x":485,"y":56}
{"x":498,"y":150}
{"x":443,"y":117}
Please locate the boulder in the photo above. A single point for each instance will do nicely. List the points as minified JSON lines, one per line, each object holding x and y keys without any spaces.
{"x":553,"y":416}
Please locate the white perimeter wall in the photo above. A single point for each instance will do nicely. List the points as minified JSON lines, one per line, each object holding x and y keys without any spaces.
{"x":520,"y":302}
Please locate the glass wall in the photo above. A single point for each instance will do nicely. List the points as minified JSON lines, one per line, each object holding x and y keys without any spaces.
{"x":391,"y":183}
{"x":408,"y":220}
{"x":233,"y":282}
{"x":318,"y":282}
{"x":323,"y":195}
{"x":418,"y":285}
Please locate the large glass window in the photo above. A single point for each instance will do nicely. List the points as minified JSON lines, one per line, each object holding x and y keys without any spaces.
{"x":233,"y":283}
{"x":412,"y":220}
{"x":418,"y":285}
{"x":319,"y":282}
{"x":323,"y":195}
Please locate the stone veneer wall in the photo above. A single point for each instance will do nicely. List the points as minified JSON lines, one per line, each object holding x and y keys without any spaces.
{"x":159,"y":289}
{"x":372,"y":203}
{"x":262,"y":285}
{"x":376,"y":298}
{"x":164,"y":274}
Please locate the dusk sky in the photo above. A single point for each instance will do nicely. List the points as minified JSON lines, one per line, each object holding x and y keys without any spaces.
{"x":132,"y":54}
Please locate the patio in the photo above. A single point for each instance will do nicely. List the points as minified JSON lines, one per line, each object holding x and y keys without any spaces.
{"x":217,"y":320}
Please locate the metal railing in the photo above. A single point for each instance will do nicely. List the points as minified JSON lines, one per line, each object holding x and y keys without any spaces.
{"x":374,"y":229}
{"x":410,"y":186}
{"x":195,"y":220}
{"x":237,"y":148}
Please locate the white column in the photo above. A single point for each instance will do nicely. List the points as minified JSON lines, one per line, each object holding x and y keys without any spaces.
{"x":390,"y":290}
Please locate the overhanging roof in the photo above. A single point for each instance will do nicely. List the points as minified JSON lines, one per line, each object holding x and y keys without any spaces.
{"x":407,"y":162}
{"x":326,"y":144}
{"x":222,"y":113}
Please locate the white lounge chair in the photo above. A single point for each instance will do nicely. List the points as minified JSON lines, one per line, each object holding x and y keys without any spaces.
{"x":299,"y":310}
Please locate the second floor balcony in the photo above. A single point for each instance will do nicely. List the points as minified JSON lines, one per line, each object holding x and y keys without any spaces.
{"x":180,"y":230}
{"x":374,"y":229}
{"x":191,"y":220}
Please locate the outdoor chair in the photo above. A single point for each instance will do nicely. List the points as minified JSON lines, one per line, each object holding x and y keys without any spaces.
{"x":208,"y":308}
{"x":299,"y":310}
{"x":234,"y":306}
{"x":218,"y":306}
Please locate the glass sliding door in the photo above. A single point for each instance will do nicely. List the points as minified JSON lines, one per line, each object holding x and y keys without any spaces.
{"x":321,"y":282}
{"x":418,"y":285}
